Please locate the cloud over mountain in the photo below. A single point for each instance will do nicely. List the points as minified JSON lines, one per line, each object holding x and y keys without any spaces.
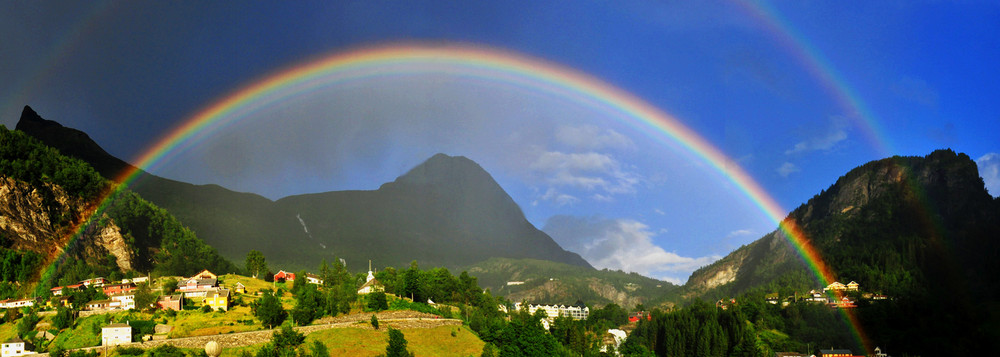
{"x":989,"y":170}
{"x":621,"y":244}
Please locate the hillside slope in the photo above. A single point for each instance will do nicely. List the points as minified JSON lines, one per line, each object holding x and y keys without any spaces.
{"x":922,"y":230}
{"x":447,"y":211}
{"x":53,"y":214}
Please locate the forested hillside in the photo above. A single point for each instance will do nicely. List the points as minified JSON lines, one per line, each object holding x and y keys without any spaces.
{"x":920,"y":230}
{"x":54,"y":216}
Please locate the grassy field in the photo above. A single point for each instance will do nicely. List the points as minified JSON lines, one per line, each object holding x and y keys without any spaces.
{"x":436,"y":341}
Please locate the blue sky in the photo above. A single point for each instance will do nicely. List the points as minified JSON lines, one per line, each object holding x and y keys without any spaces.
{"x":742,"y":75}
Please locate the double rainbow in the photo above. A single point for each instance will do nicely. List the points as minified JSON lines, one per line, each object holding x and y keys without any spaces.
{"x":477,"y":62}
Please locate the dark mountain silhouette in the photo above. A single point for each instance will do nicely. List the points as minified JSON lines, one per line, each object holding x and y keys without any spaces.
{"x":447,"y":211}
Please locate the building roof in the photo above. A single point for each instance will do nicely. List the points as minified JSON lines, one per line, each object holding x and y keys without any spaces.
{"x":175,"y":297}
{"x":204,"y":274}
{"x":14,"y":339}
{"x":835,"y":352}
{"x":219,"y":292}
{"x":210,"y":282}
{"x":117,"y":325}
{"x":372,"y":282}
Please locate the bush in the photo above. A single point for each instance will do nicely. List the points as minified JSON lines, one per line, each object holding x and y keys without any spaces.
{"x":206,"y":309}
{"x":164,"y":351}
{"x":129,"y":351}
{"x":377,"y":301}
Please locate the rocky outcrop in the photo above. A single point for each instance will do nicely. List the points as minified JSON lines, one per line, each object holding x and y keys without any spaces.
{"x":608,"y":291}
{"x":22,"y":213}
{"x":41,"y":219}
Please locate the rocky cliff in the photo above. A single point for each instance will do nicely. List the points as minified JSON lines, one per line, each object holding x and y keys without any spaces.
{"x":886,"y":222}
{"x":35,"y":219}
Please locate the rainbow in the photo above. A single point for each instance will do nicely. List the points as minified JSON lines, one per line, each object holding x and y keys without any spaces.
{"x":478,"y":62}
{"x":820,"y":68}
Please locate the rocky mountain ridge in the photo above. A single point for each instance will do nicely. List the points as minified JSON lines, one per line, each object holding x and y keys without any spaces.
{"x":894,"y":203}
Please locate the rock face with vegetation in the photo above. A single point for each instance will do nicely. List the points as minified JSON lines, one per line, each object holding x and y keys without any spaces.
{"x":545,"y":282}
{"x":447,"y":211}
{"x":922,"y":230}
{"x":56,"y":211}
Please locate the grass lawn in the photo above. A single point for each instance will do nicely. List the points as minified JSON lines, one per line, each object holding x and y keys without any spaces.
{"x":86,"y":332}
{"x":436,"y":341}
{"x":196,"y":323}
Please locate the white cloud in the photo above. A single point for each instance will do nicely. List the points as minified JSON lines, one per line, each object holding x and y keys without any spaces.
{"x":622,"y":244}
{"x":591,"y":137}
{"x":558,"y":161}
{"x":824,"y":140}
{"x":589,"y":172}
{"x":989,"y":170}
{"x":787,"y":169}
{"x":560,"y":199}
{"x":739,"y":233}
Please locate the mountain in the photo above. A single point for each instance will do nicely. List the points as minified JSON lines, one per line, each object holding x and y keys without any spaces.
{"x":922,"y":230}
{"x":447,"y":211}
{"x":547,"y":282}
{"x":57,"y":212}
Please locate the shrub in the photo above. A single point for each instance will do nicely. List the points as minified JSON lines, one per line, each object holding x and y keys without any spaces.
{"x":129,"y":351}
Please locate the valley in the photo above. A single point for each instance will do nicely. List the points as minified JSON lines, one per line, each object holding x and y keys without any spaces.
{"x":883,"y":225}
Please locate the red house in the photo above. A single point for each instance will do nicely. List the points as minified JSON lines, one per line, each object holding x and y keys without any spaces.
{"x":59,"y":289}
{"x":636,"y":316}
{"x":175,"y":302}
{"x":284,"y":276}
{"x":118,"y":288}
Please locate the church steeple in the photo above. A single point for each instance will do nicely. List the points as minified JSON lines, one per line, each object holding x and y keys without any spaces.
{"x":370,"y":275}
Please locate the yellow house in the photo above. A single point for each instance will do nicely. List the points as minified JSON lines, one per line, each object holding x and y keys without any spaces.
{"x":65,"y":301}
{"x":217,"y":299}
{"x":240,"y":288}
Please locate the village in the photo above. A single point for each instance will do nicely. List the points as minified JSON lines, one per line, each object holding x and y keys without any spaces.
{"x":224,"y":298}
{"x":205,"y":290}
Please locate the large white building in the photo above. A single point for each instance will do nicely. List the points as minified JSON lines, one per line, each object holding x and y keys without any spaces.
{"x":577,"y":311}
{"x":116,"y":334}
{"x":15,"y":347}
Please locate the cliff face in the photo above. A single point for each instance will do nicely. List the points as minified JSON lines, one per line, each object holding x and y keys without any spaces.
{"x":884,"y":223}
{"x":37,"y":219}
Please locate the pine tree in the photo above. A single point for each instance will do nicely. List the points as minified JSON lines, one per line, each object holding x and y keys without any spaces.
{"x":397,"y":345}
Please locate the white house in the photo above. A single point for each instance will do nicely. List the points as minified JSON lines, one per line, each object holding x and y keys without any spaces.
{"x":15,"y":347}
{"x":16,"y":303}
{"x":313,"y":279}
{"x":577,"y":311}
{"x":127,"y":300}
{"x":116,"y":334}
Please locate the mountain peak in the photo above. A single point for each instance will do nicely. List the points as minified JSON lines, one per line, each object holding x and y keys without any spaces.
{"x":70,"y":142}
{"x":442,"y":169}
